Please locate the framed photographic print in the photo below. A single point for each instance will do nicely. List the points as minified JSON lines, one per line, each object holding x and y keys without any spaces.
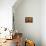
{"x":28,"y":19}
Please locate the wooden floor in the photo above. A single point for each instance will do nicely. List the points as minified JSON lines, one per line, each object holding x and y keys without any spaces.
{"x":9,"y":43}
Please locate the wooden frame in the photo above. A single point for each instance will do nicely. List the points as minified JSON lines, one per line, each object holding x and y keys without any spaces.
{"x":28,"y":19}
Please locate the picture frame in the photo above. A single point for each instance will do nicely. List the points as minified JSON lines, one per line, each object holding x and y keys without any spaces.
{"x":28,"y":19}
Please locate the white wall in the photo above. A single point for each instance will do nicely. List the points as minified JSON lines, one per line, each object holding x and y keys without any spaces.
{"x":43,"y":22}
{"x":6,"y":13}
{"x":30,"y":30}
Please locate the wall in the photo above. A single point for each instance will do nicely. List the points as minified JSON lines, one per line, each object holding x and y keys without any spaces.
{"x":43,"y":22}
{"x":30,"y":30}
{"x":6,"y":13}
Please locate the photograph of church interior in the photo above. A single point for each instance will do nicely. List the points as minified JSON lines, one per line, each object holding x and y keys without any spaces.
{"x":22,"y":22}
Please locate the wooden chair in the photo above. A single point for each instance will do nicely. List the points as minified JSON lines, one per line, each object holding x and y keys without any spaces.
{"x":18,"y":39}
{"x":29,"y":43}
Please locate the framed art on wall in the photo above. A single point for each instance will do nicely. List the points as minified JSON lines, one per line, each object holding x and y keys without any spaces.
{"x":28,"y":19}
